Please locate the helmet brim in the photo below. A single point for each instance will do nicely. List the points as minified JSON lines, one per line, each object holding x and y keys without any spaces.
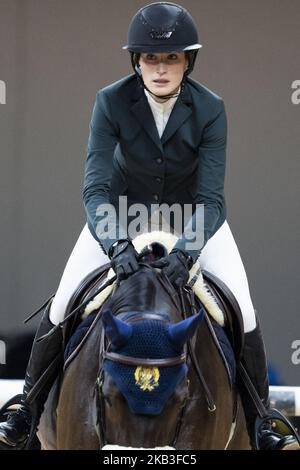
{"x":164,"y":48}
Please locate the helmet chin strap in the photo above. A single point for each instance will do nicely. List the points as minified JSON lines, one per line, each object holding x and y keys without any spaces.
{"x":163,"y":97}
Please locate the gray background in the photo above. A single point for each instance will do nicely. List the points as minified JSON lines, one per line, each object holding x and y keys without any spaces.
{"x":55,"y":55}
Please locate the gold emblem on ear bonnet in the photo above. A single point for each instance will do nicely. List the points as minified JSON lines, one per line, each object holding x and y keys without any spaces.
{"x":146,"y":378}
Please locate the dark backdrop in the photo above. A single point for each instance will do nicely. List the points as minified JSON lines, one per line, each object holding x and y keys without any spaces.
{"x":55,"y":55}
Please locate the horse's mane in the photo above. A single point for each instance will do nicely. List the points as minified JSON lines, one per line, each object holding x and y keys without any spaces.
{"x":142,"y":291}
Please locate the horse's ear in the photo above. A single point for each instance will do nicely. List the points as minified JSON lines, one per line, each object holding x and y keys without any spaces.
{"x":182,"y":331}
{"x":117,"y":331}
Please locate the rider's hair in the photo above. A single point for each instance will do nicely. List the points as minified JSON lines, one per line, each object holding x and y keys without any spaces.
{"x":136,"y":57}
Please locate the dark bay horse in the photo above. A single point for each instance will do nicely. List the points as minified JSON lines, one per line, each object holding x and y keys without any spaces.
{"x":135,"y":380}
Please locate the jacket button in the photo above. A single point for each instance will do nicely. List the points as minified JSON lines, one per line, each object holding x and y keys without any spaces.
{"x":156,"y":197}
{"x":159,"y":160}
{"x":158,"y":179}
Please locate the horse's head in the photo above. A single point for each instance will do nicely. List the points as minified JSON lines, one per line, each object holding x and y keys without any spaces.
{"x":145,"y":376}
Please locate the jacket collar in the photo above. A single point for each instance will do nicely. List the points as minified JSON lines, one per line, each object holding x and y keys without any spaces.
{"x":142,"y":111}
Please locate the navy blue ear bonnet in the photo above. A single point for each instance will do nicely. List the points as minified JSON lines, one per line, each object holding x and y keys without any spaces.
{"x":147,"y":388}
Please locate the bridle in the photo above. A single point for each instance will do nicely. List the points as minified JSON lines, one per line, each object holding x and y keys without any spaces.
{"x":179,"y":301}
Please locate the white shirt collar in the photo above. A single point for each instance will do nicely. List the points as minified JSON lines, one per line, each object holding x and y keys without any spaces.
{"x":161,"y":106}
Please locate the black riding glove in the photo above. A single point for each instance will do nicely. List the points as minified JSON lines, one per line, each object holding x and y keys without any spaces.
{"x":176,"y":266}
{"x":123,"y":259}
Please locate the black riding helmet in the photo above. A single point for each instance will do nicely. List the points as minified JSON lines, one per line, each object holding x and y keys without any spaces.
{"x":162,"y":27}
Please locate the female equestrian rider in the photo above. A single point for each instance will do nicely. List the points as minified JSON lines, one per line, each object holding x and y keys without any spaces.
{"x":156,"y":136}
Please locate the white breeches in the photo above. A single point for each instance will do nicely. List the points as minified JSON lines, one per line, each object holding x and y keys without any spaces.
{"x":220,"y":256}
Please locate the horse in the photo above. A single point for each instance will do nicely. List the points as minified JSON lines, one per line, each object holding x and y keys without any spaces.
{"x":149,"y":372}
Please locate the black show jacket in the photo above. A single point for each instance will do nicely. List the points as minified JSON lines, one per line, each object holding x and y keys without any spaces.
{"x":126,"y":156}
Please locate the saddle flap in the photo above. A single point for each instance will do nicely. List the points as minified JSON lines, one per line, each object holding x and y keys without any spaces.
{"x":234,"y":325}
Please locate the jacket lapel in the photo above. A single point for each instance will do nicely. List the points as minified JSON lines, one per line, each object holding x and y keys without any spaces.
{"x":181,"y":111}
{"x":143,"y":114}
{"x":142,"y":111}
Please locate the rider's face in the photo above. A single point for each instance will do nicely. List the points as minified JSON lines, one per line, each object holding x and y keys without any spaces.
{"x":162,"y":72}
